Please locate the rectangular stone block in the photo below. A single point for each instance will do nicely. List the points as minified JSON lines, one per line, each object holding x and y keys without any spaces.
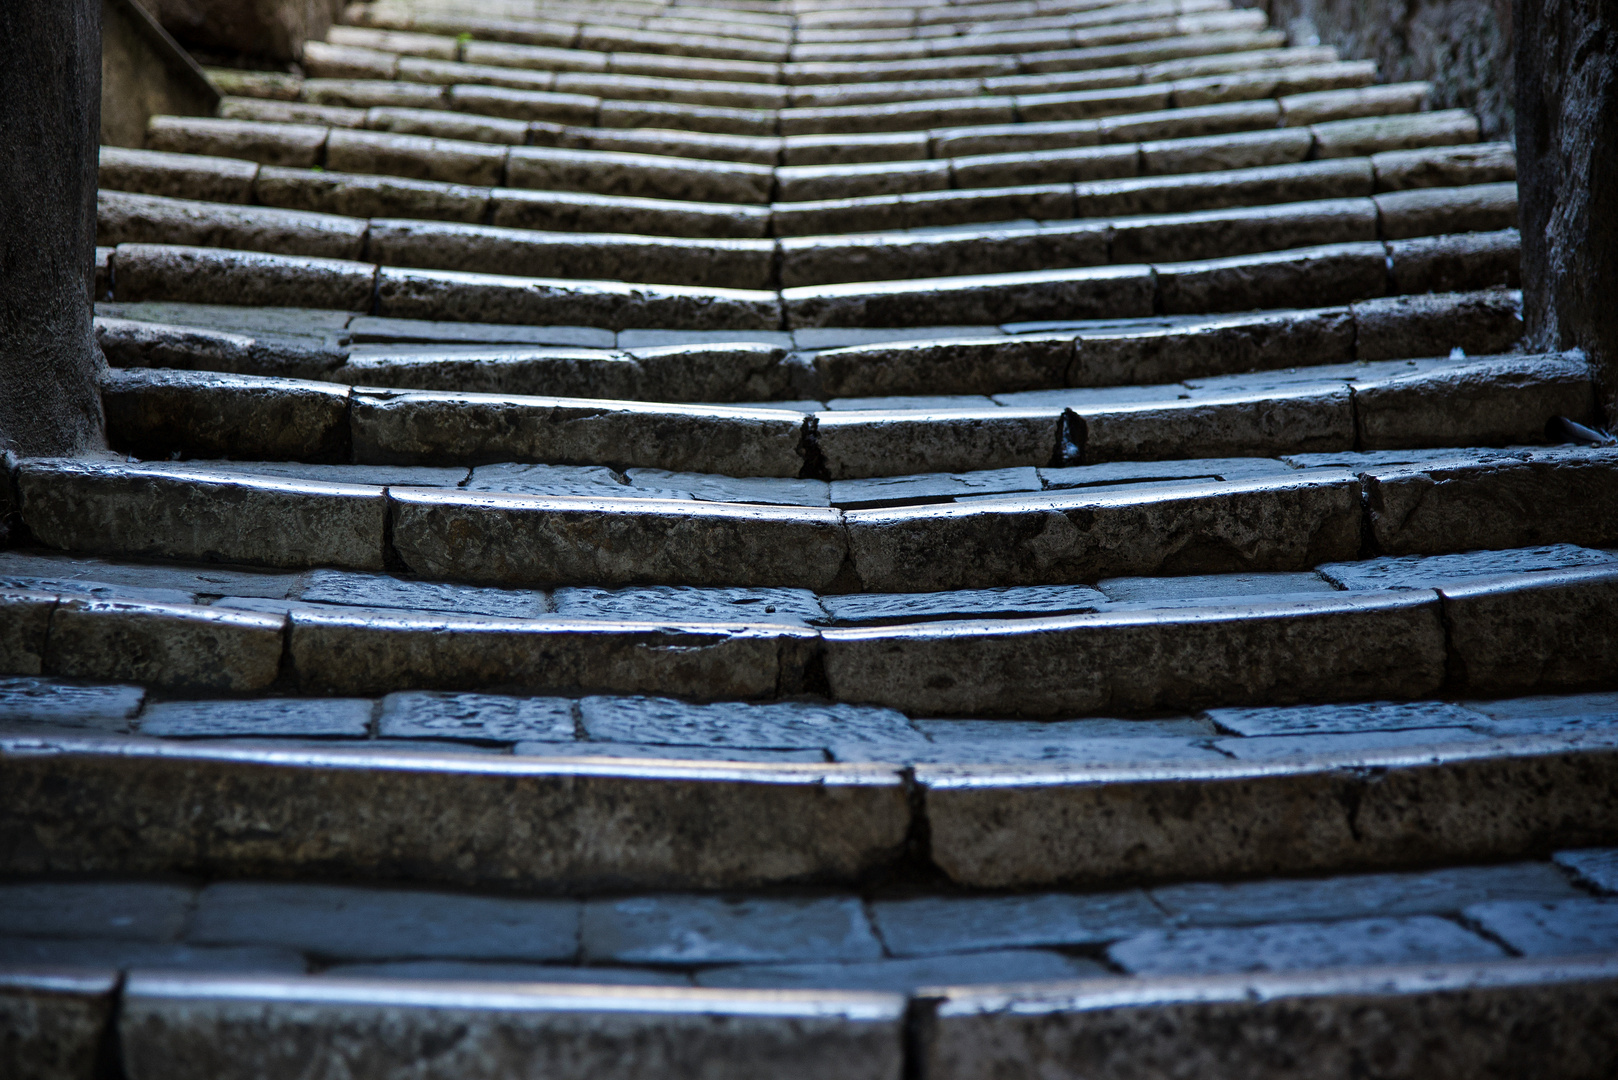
{"x":854,"y":609}
{"x":1451,"y":166}
{"x":1501,"y":401}
{"x":24,"y":623}
{"x":201,"y":275}
{"x":1570,"y":928}
{"x":1266,"y":185}
{"x":181,"y":176}
{"x":1533,"y":632}
{"x":1166,"y":351}
{"x":1478,"y":323}
{"x":179,"y":646}
{"x":584,"y":212}
{"x":447,"y":294}
{"x":417,"y":157}
{"x":183,"y":512}
{"x":446,"y":818}
{"x":1235,"y":424}
{"x":1445,"y":1021}
{"x":1505,"y":500}
{"x":1227,"y":654}
{"x":157,"y":413}
{"x":403,"y":427}
{"x":860,"y":444}
{"x":119,"y":910}
{"x":993,"y":250}
{"x":56,"y":1021}
{"x":366,"y":93}
{"x":1456,"y":262}
{"x":1433,"y":211}
{"x":952,"y":366}
{"x":1419,"y":939}
{"x":475,"y":717}
{"x":910,"y":975}
{"x":1227,"y":232}
{"x":785,"y":725}
{"x":1379,"y":134}
{"x":123,"y":218}
{"x":369,"y":652}
{"x":446,"y":125}
{"x":53,"y":703}
{"x":264,"y":717}
{"x":930,"y":926}
{"x":607,"y":173}
{"x":510,"y":539}
{"x":1092,"y":292}
{"x":228,"y":1028}
{"x":1306,"y":277}
{"x":685,"y":930}
{"x":298,"y":146}
{"x":357,"y":195}
{"x":1082,"y":536}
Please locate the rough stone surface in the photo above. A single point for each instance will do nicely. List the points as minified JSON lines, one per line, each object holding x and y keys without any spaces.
{"x":53,"y":1021}
{"x":1581,"y":927}
{"x":375,"y":590}
{"x":124,"y":911}
{"x":1597,"y":867}
{"x":1546,"y":631}
{"x":1567,"y":117}
{"x":909,"y":975}
{"x":48,"y":360}
{"x":705,"y":930}
{"x":66,"y":704}
{"x":1291,"y":946}
{"x":930,"y":926}
{"x":170,"y":645}
{"x":1430,"y":571}
{"x":265,"y":717}
{"x":683,"y":604}
{"x":780,"y":726}
{"x":475,"y":717}
{"x":1344,"y":719}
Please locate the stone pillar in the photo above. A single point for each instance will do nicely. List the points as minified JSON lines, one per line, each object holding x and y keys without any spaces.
{"x":50,"y":83}
{"x":1567,"y":175}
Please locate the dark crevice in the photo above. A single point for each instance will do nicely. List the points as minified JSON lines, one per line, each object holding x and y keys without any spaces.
{"x":391,"y":559}
{"x":814,"y":462}
{"x":1072,"y":433}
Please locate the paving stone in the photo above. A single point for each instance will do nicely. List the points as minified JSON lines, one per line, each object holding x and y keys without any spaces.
{"x":265,"y":716}
{"x":931,"y":926}
{"x":113,"y":953}
{"x":115,"y":910}
{"x":70,"y":570}
{"x":1493,"y":402}
{"x":1361,"y":896}
{"x":1548,"y":707}
{"x":170,"y":645}
{"x":475,"y":717}
{"x":655,"y":752}
{"x":337,"y":922}
{"x":373,"y":590}
{"x":796,"y":607}
{"x":584,"y":1031}
{"x":186,"y":176}
{"x":948,"y":366}
{"x":1345,"y":719}
{"x":460,"y":971}
{"x":946,"y":731}
{"x":1113,"y":1031}
{"x":711,"y":487}
{"x":366,"y":475}
{"x":908,"y":403}
{"x":1428,"y":571}
{"x":444,"y":294}
{"x":1455,"y":262}
{"x":880,"y":608}
{"x":1133,"y":660}
{"x":57,"y":703}
{"x":156,"y":413}
{"x":782,"y":725}
{"x":502,"y":539}
{"x":1540,"y":497}
{"x":1301,"y":946}
{"x":1210,"y":586}
{"x":1071,"y":742}
{"x":1478,"y":323}
{"x":1531,"y":632}
{"x":678,"y":929}
{"x":423,"y":427}
{"x":548,"y":480}
{"x":933,"y":487}
{"x":1039,"y":539}
{"x":1347,"y":745}
{"x":371,"y":328}
{"x":1596,"y":867}
{"x":1559,"y":928}
{"x":197,"y":514}
{"x":906,"y":976}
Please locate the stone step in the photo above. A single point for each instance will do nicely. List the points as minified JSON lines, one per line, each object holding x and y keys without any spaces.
{"x":1200,"y":516}
{"x":1264,"y":805}
{"x":826,"y":940}
{"x":1313,"y":276}
{"x":816,"y":260}
{"x":826,"y":364}
{"x":157,"y":414}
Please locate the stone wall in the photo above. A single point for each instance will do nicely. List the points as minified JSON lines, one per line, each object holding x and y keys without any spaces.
{"x":1463,"y":47}
{"x":267,"y":29}
{"x":144,"y":73}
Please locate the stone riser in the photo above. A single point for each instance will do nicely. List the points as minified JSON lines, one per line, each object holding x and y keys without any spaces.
{"x":161,"y":414}
{"x":1305,"y":277}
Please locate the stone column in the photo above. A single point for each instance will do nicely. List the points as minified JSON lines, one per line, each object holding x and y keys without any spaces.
{"x":50,"y":84}
{"x":1567,"y":175}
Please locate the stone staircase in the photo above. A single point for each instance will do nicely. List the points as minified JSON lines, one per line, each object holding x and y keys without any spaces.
{"x":814,"y":539}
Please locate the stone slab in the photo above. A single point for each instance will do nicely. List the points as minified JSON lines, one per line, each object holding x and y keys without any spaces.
{"x":302,"y":717}
{"x":712,"y":487}
{"x":931,"y":926}
{"x":485,"y":971}
{"x":782,"y":725}
{"x":1596,"y":867}
{"x":59,"y":703}
{"x":336,"y":922}
{"x":1307,"y":748}
{"x":907,"y":976}
{"x":1065,"y":743}
{"x":548,"y":479}
{"x":933,"y":487}
{"x":1581,"y":927}
{"x":113,"y":910}
{"x":1345,"y":719}
{"x":1430,"y":571}
{"x":655,"y":752}
{"x":1210,"y":586}
{"x":375,"y":590}
{"x":175,"y":646}
{"x":1361,"y":896}
{"x":188,"y":580}
{"x":1532,"y":632}
{"x":475,"y":717}
{"x":797,"y":607}
{"x":1301,"y":946}
{"x":688,"y":929}
{"x":111,"y":952}
{"x":876,"y":608}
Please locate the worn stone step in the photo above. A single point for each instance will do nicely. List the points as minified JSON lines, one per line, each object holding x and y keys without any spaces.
{"x":1198,"y":518}
{"x":830,"y":364}
{"x":158,"y":414}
